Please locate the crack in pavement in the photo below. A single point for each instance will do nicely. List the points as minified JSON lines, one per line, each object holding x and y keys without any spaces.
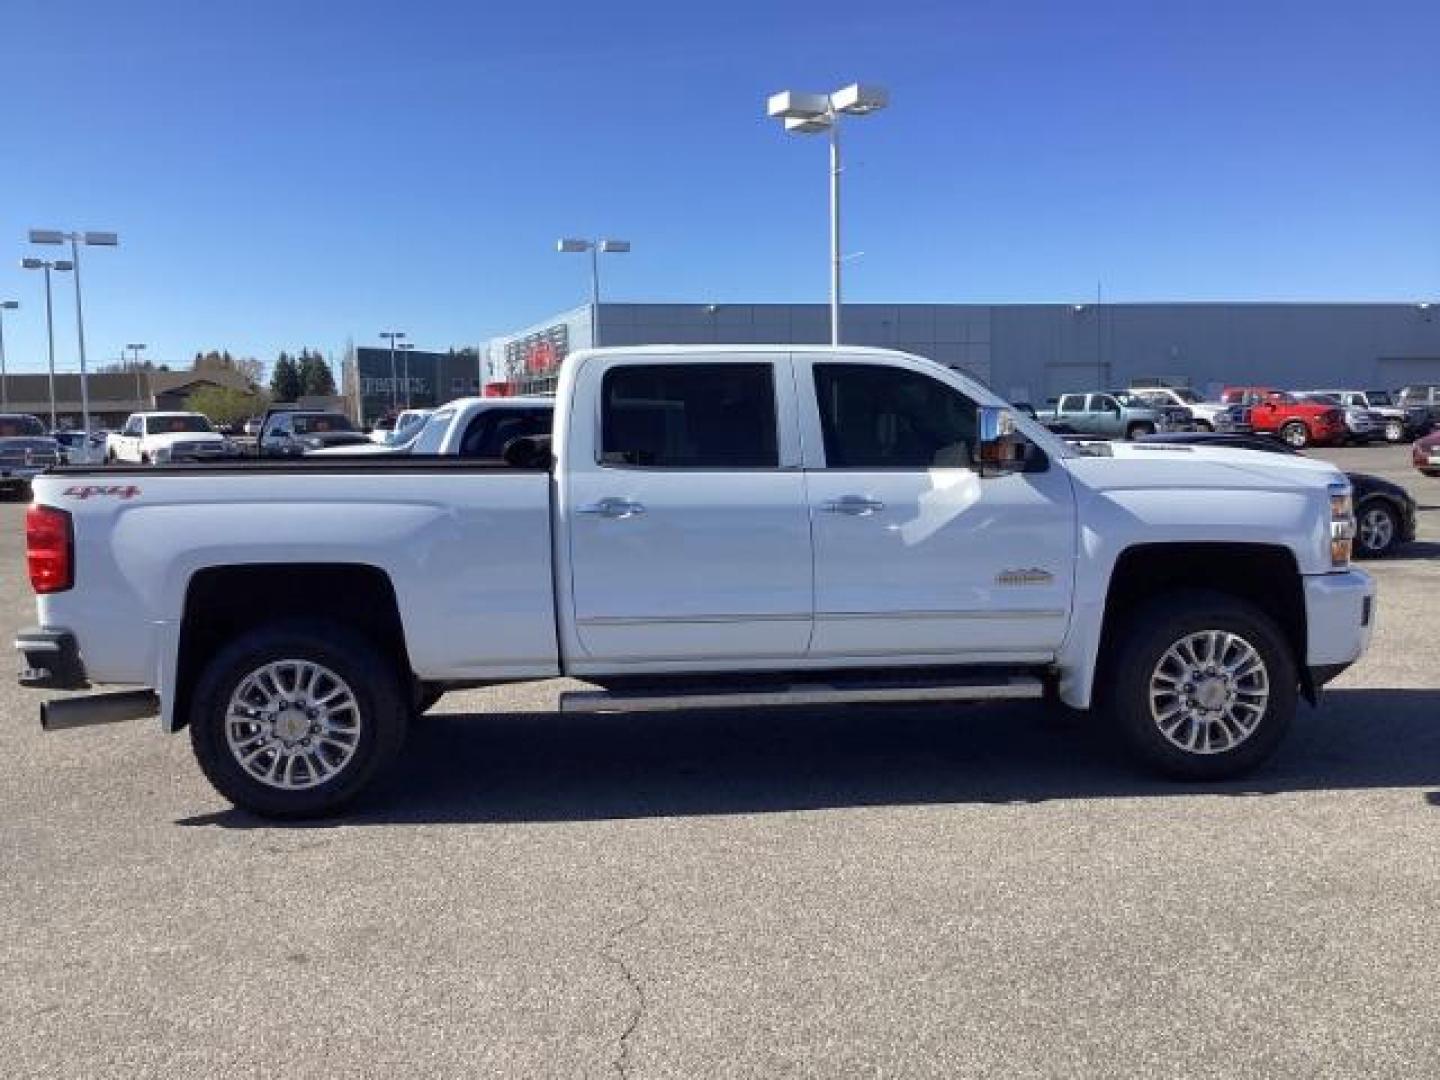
{"x":610,"y":952}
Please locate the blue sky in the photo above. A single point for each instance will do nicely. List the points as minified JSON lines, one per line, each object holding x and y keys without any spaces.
{"x":284,"y":173}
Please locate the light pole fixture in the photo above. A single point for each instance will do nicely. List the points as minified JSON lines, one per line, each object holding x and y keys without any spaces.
{"x":393,"y":336}
{"x":5,"y":305}
{"x":406,"y":348}
{"x":811,"y":114}
{"x":596,"y":248}
{"x":62,"y":266}
{"x":135,"y":348}
{"x":89,"y":239}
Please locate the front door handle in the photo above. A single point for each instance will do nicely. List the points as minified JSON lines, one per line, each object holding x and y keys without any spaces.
{"x":854,"y":505}
{"x":613,"y":508}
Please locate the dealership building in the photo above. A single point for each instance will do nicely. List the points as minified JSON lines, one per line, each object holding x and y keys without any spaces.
{"x":377,"y":381}
{"x":1030,"y":352}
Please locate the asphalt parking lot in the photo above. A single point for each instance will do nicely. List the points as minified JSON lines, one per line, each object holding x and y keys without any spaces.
{"x":897,"y":892}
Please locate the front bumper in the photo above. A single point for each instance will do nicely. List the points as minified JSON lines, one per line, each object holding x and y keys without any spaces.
{"x":1339,"y":619}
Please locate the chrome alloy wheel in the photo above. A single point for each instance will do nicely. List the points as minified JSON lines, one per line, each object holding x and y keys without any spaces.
{"x":292,"y":724}
{"x":1209,"y":691}
{"x":1377,"y":529}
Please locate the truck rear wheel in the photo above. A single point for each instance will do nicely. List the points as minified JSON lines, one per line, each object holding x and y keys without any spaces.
{"x":1203,"y":686}
{"x":1296,"y":434}
{"x":296,"y":718}
{"x":1135,"y":431}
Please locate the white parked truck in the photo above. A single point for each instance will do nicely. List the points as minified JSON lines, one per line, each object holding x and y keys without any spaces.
{"x":156,"y":438}
{"x":719,"y":527}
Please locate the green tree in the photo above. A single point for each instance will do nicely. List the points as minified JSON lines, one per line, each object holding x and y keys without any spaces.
{"x":226,"y":407}
{"x":316,"y":378}
{"x":285,"y":382}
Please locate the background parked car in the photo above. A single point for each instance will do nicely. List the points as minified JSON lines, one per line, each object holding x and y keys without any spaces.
{"x":1385,"y":513}
{"x":1116,"y":415}
{"x":155,"y":438}
{"x":1361,"y":425}
{"x":1299,"y":423}
{"x":1397,"y":422}
{"x":1421,"y":396}
{"x":1425,"y":454}
{"x":25,"y":451}
{"x":75,"y":449}
{"x":1203,"y":413}
{"x":292,"y":432}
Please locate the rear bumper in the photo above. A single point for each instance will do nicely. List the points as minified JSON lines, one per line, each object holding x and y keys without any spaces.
{"x":50,"y":660}
{"x":1339,"y":620}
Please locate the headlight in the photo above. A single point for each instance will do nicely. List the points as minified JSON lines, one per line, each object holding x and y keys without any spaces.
{"x":1342,"y":525}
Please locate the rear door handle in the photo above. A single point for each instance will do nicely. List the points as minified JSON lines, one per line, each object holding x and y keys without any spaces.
{"x":854,"y":505}
{"x":612,"y":508}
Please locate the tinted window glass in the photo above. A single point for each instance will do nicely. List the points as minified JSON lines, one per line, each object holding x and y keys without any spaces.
{"x":689,"y":416}
{"x":490,"y":432}
{"x":876,"y":417}
{"x":310,"y":423}
{"x":1072,"y":403}
{"x":13,"y":426}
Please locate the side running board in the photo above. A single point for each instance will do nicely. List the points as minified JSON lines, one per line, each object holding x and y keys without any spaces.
{"x":1007,"y":688}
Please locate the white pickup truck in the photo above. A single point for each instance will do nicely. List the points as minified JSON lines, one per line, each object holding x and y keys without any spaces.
{"x":161,"y":437}
{"x":719,"y":527}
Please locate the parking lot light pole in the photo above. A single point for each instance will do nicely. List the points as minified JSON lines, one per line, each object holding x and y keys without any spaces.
{"x":406,"y":347}
{"x":135,"y":349}
{"x":61,"y":265}
{"x":89,"y":239}
{"x":810,"y":114}
{"x":596,"y":248}
{"x":394,"y":336}
{"x":5,"y":305}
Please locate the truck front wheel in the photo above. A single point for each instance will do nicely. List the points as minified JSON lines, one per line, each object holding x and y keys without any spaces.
{"x":1203,"y":686}
{"x":1296,"y":434}
{"x":295,"y":719}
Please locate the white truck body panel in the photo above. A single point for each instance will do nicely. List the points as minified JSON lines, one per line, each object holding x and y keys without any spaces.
{"x":701,"y":570}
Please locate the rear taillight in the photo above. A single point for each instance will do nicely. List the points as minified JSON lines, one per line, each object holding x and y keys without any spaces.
{"x":49,"y":549}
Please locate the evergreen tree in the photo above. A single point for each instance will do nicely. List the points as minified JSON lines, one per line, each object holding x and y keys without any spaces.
{"x":285,"y":382}
{"x":316,"y":378}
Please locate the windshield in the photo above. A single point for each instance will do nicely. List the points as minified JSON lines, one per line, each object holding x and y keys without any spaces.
{"x":408,"y":427}
{"x":1379,"y":397}
{"x":13,"y":426}
{"x":1131,"y":401}
{"x":175,"y":425}
{"x":433,"y":433}
{"x":318,"y":422}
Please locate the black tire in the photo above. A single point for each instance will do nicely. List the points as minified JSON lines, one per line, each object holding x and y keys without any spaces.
{"x":1145,"y":637}
{"x":1134,"y":431}
{"x":144,"y":459}
{"x":1295,"y":434}
{"x":1204,"y":425}
{"x":372,"y":679}
{"x":1394,"y":431}
{"x":1377,"y":529}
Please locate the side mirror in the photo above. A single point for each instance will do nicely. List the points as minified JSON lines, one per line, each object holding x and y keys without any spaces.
{"x":1002,"y":447}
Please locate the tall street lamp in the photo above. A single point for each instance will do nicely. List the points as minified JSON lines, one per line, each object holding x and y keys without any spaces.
{"x":394,"y":336}
{"x":5,"y":305}
{"x":61,"y":266}
{"x":810,"y":114}
{"x":406,"y":347}
{"x":89,"y":239}
{"x":135,"y":349}
{"x":596,"y":248}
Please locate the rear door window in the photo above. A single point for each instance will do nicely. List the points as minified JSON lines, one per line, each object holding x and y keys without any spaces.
{"x":689,"y":416}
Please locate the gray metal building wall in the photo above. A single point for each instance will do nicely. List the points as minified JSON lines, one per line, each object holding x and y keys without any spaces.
{"x":1034,"y":351}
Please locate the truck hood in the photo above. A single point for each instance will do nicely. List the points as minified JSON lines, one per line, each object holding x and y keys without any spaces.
{"x":1137,"y":465}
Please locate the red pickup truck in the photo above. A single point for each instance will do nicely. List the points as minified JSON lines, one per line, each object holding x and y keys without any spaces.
{"x":1298,"y":422}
